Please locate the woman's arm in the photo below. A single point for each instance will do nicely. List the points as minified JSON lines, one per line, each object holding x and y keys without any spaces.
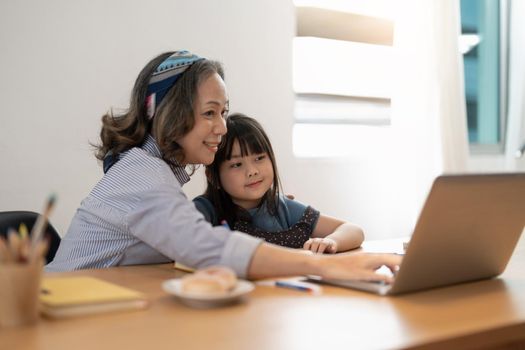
{"x":274,"y":261}
{"x":332,"y":235}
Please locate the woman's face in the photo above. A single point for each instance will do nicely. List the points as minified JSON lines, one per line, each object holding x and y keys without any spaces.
{"x":246,"y":179}
{"x":210,"y":108}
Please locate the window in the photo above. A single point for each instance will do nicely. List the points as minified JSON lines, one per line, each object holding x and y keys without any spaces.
{"x":483,"y":43}
{"x":342,"y":58}
{"x":342,"y":65}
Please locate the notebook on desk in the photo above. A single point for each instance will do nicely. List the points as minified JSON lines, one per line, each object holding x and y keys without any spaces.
{"x":76,"y":296}
{"x":467,"y":230}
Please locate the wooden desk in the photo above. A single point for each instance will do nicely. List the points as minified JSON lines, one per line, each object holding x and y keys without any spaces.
{"x":487,"y":314}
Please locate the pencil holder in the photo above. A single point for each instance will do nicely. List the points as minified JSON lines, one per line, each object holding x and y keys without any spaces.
{"x":19,"y":293}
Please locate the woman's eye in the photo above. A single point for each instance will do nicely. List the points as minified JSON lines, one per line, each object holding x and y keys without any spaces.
{"x":209,"y":113}
{"x":225,"y":113}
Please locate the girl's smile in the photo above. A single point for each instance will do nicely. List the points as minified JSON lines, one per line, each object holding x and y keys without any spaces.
{"x":254,"y":184}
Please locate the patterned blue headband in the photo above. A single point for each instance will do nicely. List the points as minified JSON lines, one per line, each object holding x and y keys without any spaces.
{"x":165,"y":76}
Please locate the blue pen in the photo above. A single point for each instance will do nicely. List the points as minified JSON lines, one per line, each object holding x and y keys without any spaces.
{"x":293,"y":285}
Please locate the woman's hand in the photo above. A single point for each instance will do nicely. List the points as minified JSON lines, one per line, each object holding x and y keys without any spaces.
{"x":271,"y":261}
{"x":321,"y":245}
{"x":359,"y":266}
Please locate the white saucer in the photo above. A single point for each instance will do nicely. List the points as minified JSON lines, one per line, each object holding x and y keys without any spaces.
{"x":173,"y":287}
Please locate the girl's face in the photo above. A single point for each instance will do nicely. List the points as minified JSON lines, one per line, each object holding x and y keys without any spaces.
{"x":246,"y":179}
{"x":210,"y":108}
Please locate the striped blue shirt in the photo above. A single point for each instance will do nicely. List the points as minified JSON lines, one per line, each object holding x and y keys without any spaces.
{"x":138,"y":214}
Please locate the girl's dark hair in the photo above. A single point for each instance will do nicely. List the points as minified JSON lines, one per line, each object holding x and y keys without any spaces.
{"x":174,"y":116}
{"x":252,"y":140}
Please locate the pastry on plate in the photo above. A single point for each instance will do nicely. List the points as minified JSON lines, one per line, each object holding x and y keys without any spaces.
{"x":212,"y":280}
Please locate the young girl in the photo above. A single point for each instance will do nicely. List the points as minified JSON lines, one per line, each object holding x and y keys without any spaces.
{"x":138,"y":213}
{"x":243,"y":190}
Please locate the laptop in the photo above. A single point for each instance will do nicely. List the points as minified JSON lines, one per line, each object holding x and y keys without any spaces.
{"x":467,"y":231}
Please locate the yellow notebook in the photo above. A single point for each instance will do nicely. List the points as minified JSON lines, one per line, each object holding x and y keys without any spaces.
{"x":75,"y":296}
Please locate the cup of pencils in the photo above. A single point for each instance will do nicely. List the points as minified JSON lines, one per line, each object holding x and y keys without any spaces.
{"x":22,"y":256}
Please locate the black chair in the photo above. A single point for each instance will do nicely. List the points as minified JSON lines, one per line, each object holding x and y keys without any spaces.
{"x":13,"y":219}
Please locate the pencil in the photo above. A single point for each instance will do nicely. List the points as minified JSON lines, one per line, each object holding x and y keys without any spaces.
{"x":39,"y":250}
{"x":14,"y":244}
{"x":25,"y":243}
{"x":22,"y":229}
{"x":40,"y":224}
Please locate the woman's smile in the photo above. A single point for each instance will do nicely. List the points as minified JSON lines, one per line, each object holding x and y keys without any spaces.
{"x":212,"y":146}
